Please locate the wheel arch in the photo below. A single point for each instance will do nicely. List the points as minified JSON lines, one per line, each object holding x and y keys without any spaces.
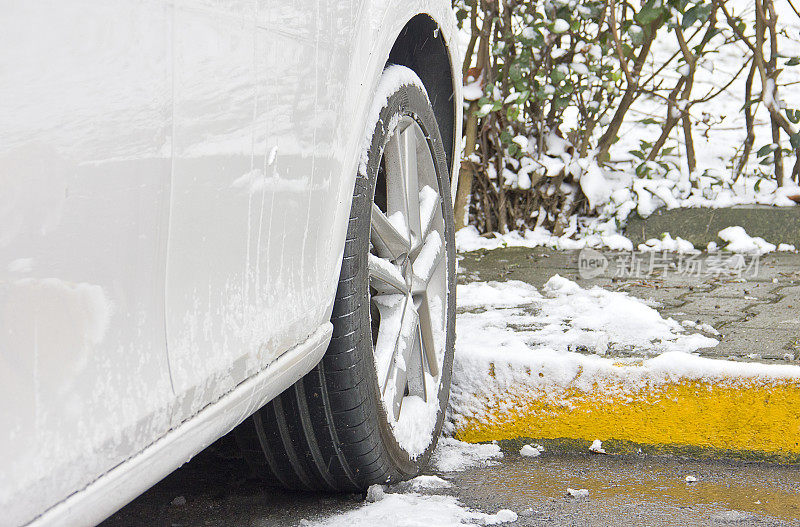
{"x":421,"y":47}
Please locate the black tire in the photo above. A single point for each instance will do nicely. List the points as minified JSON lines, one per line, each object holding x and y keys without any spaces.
{"x":330,"y":431}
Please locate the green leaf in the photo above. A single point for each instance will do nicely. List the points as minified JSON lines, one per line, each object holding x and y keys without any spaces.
{"x":764,"y":150}
{"x":647,"y":14}
{"x":795,"y":140}
{"x":793,"y":115}
{"x":751,"y":102}
{"x":689,"y":18}
{"x":794,"y":61}
{"x":515,"y":73}
{"x":699,"y":12}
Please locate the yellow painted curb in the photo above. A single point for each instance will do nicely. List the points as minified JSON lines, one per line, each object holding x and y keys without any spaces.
{"x":741,"y":415}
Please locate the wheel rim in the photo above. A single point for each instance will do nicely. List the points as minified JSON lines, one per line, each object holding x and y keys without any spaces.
{"x":408,"y":281}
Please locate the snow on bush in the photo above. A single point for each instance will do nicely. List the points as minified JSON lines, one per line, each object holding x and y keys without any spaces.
{"x":598,"y":108}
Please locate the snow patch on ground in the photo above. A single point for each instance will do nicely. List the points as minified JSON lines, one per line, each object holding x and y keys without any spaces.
{"x":413,"y":503}
{"x":577,"y":493}
{"x":597,"y":447}
{"x":667,"y":243}
{"x":468,"y":239}
{"x":429,"y":482}
{"x":452,"y":455}
{"x":531,"y":450}
{"x":414,"y":510}
{"x":514,"y":317}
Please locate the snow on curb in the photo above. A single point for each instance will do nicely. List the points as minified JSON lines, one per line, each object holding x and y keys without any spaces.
{"x":736,"y":237}
{"x":529,"y":365}
{"x":468,"y":239}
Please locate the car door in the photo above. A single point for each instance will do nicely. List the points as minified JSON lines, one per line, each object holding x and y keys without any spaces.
{"x":251,"y":265}
{"x":85,"y":100}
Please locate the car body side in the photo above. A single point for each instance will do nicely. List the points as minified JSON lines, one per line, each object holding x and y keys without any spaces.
{"x":176,"y":183}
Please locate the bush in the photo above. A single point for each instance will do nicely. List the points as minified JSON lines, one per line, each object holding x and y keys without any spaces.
{"x":551,"y":84}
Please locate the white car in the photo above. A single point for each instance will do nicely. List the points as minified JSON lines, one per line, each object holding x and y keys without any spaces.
{"x":218,"y":209}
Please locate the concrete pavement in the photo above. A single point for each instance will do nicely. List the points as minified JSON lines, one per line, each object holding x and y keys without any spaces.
{"x":758,"y":316}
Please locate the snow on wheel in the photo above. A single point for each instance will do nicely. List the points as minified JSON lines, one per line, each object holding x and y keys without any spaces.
{"x":372,"y":410}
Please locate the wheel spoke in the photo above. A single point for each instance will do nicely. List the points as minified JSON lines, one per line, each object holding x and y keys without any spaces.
{"x":416,"y":366}
{"x":402,"y":358}
{"x":399,"y":391}
{"x":396,"y":200}
{"x":392,"y":309}
{"x":426,"y":334}
{"x":387,"y":237}
{"x":408,"y":146}
{"x":426,"y":261}
{"x":429,"y":201}
{"x":385,"y":277}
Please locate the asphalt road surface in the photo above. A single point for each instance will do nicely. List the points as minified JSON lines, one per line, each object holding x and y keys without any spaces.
{"x":214,"y":489}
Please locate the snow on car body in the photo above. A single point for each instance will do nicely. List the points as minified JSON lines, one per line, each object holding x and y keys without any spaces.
{"x":176,"y":181}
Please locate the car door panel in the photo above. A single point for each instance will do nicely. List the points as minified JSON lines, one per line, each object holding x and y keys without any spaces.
{"x":251,"y":263}
{"x":84,"y":191}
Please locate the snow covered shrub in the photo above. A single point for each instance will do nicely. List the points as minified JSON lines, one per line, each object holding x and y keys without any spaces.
{"x":571,"y":102}
{"x":544,"y":77}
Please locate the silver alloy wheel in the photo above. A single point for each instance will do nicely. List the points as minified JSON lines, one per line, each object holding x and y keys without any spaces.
{"x":408,"y":275}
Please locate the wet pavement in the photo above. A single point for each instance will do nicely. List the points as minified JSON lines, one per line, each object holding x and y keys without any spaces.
{"x":623,"y":490}
{"x":634,"y":490}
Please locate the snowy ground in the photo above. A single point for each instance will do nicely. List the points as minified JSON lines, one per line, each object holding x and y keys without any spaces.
{"x":576,"y":339}
{"x":568,"y":340}
{"x":571,"y":333}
